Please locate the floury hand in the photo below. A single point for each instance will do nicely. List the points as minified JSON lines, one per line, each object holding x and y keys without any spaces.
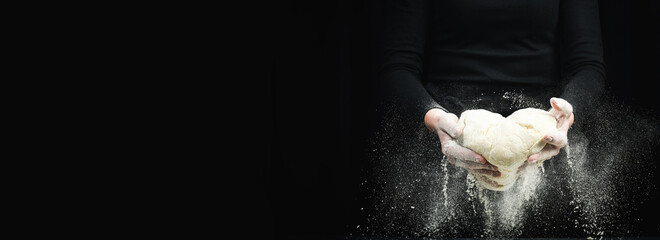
{"x":448,"y":130}
{"x":563,"y":112}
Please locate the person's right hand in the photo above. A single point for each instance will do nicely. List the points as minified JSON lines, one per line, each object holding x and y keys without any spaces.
{"x":448,"y":129}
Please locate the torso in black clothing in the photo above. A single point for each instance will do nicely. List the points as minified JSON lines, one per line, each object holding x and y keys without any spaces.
{"x":492,"y":41}
{"x":551,"y":45}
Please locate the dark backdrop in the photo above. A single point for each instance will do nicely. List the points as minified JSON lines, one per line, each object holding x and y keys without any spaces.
{"x":321,"y":104}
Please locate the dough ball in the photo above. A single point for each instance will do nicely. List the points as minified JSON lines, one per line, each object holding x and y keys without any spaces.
{"x":505,"y":142}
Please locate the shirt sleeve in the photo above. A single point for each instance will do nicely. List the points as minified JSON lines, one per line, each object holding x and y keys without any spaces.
{"x":400,"y":33}
{"x":581,"y":54}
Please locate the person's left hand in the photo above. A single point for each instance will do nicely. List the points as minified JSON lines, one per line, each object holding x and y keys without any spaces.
{"x":563,"y":112}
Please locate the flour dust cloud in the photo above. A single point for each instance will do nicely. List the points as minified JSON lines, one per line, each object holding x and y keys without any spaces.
{"x":593,"y":188}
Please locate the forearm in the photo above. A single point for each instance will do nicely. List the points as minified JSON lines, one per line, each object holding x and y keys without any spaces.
{"x":400,"y":40}
{"x":405,"y":88}
{"x":582,"y":54}
{"x":584,"y":89}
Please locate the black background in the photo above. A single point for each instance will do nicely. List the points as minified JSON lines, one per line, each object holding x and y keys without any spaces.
{"x":320,"y":110}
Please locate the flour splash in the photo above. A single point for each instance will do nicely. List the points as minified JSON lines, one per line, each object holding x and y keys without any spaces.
{"x":591,"y":189}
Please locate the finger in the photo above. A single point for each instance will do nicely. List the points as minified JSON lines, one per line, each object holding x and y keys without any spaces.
{"x":444,"y":138}
{"x":452,"y":160}
{"x":556,"y":138}
{"x":453,"y":149}
{"x":473,"y":165}
{"x":479,"y":168}
{"x":488,"y":172}
{"x":489,"y":181}
{"x":522,"y":167}
{"x":449,"y":124}
{"x":562,"y":106}
{"x":566,"y":123}
{"x":548,"y":152}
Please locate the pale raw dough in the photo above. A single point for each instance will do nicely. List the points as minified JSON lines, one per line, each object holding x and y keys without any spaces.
{"x":505,"y":142}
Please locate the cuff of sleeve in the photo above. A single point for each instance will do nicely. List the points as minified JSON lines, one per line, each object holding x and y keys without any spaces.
{"x":438,"y":107}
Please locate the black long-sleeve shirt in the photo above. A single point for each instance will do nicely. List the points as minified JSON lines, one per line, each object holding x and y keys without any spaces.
{"x":545,"y":43}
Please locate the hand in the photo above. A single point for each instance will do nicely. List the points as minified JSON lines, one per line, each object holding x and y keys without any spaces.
{"x":447,"y":127}
{"x":563,"y":112}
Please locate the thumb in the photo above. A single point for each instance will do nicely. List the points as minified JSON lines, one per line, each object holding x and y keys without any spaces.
{"x":561,"y":106}
{"x":449,"y":124}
